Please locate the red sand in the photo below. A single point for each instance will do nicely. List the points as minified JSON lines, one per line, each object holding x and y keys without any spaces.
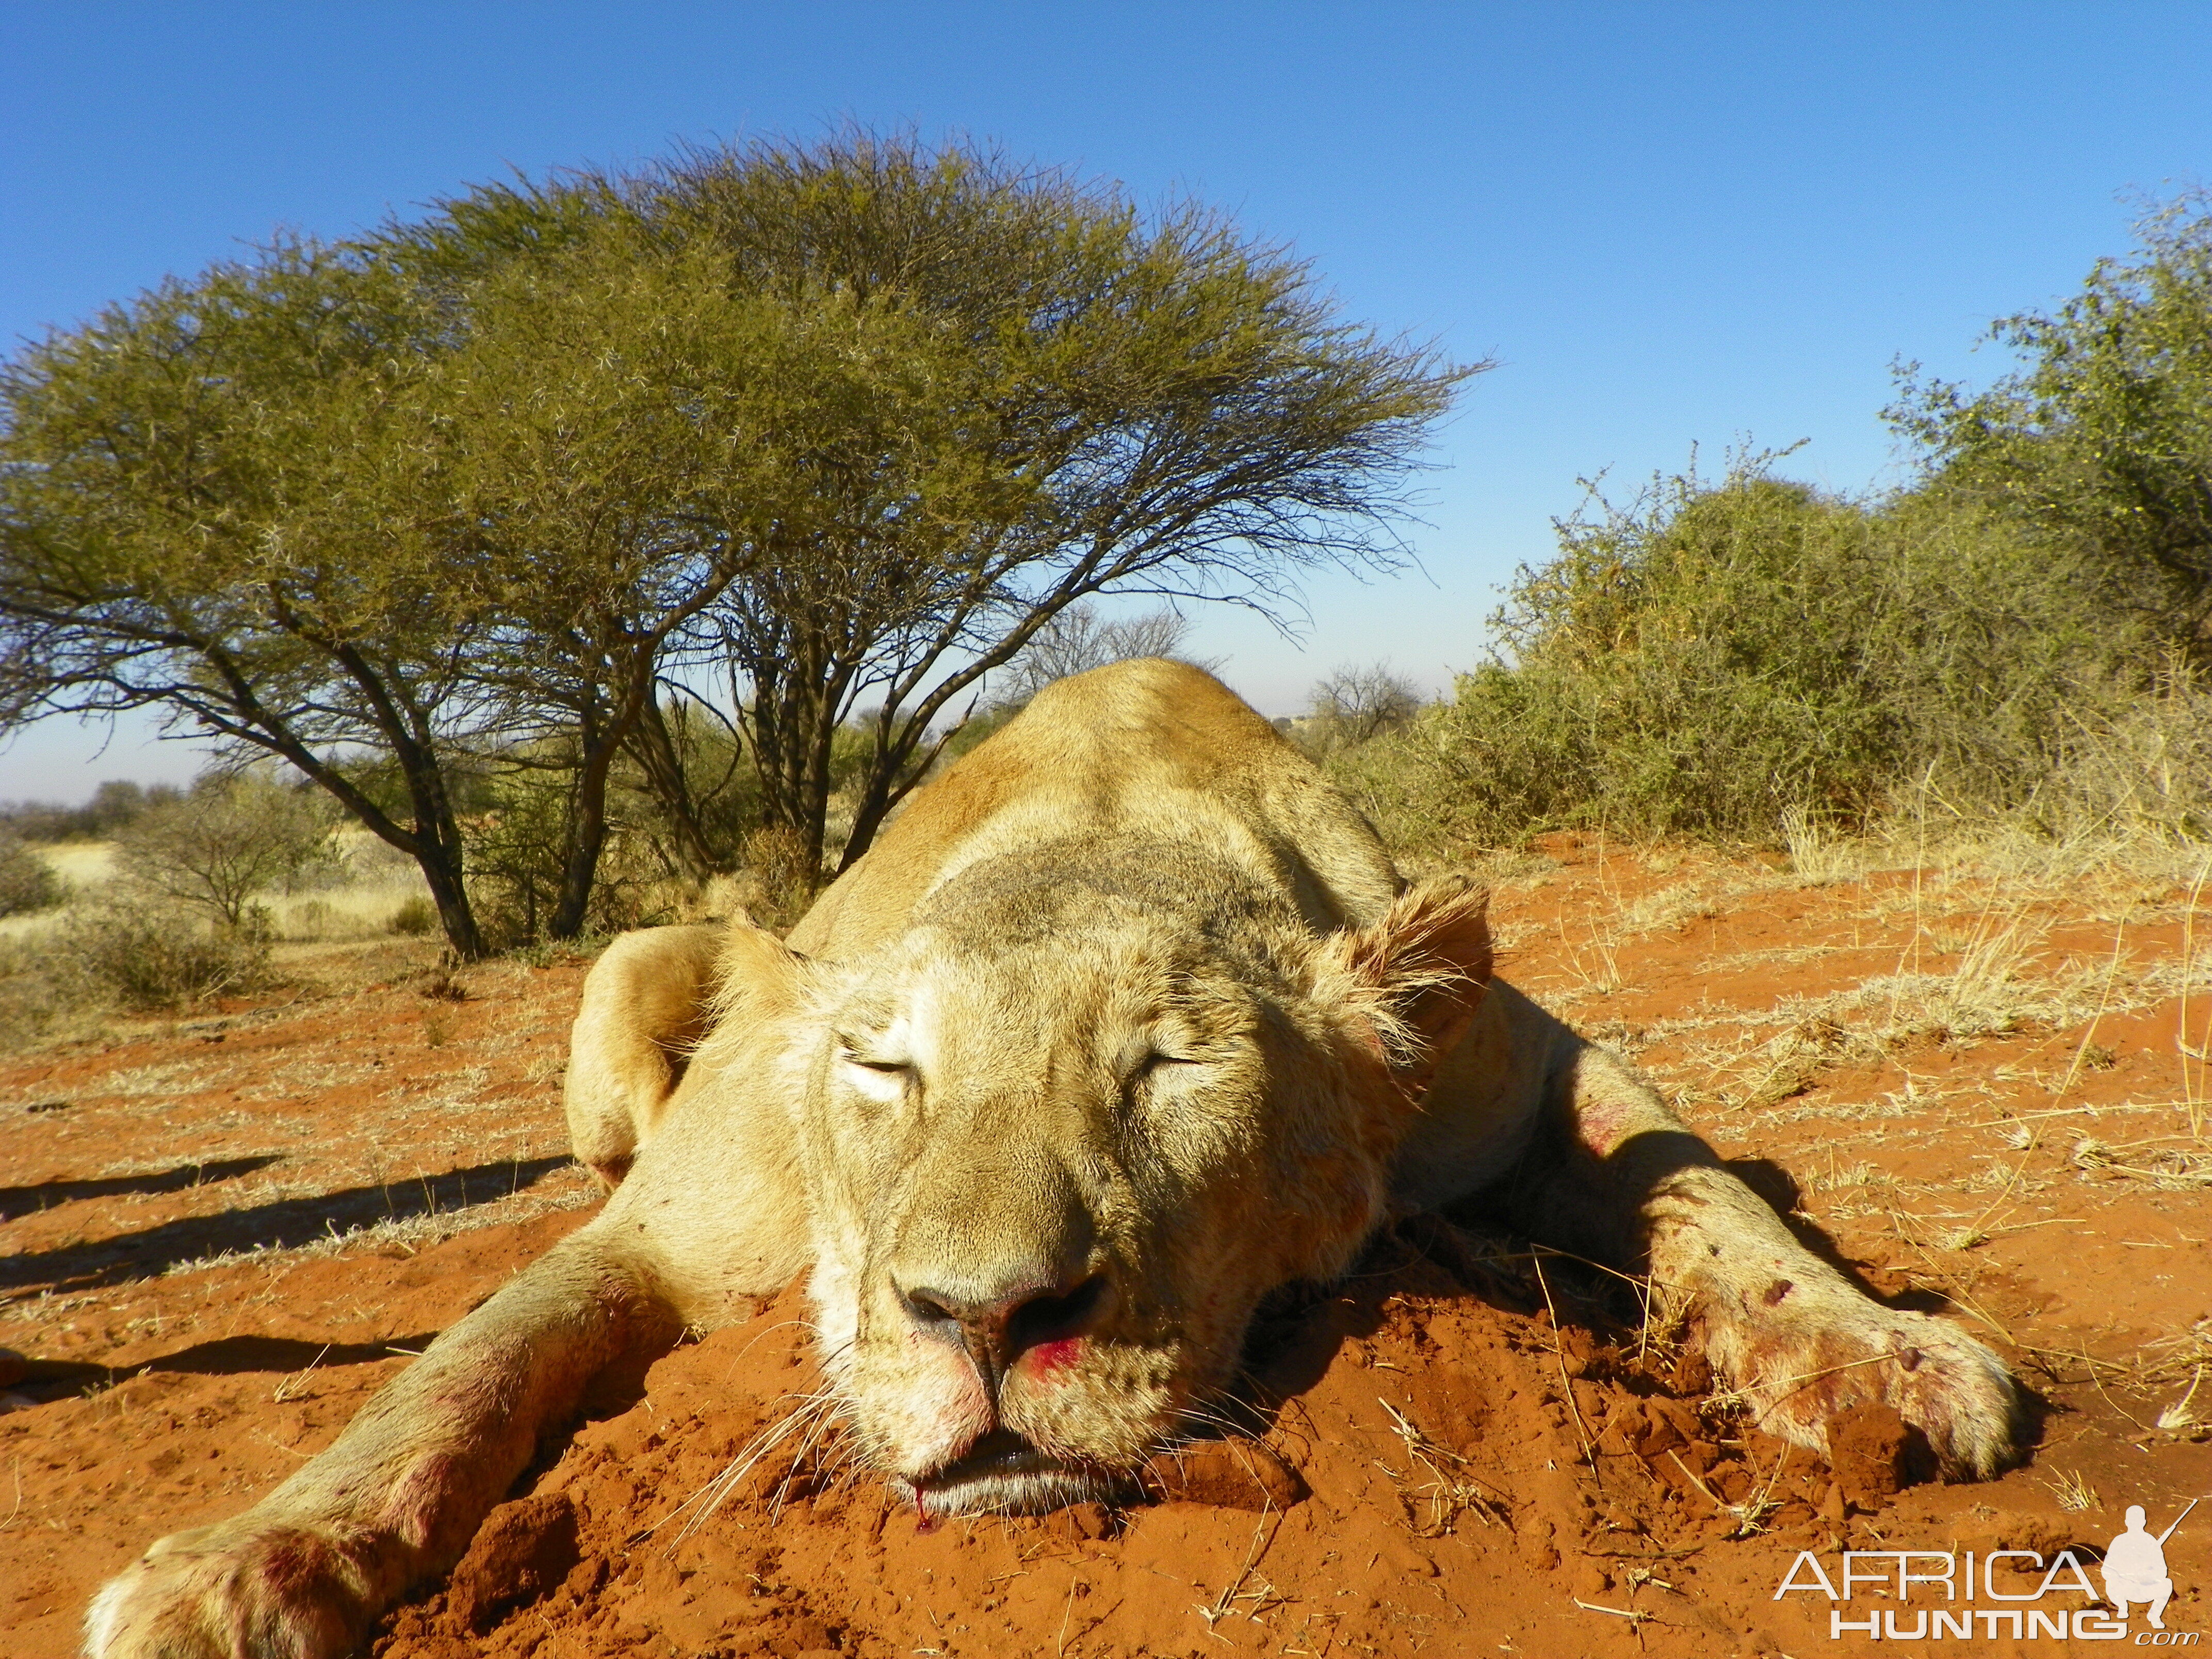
{"x":1439,"y":1467}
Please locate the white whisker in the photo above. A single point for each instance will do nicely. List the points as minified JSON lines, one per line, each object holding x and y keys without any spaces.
{"x":711,"y":1495}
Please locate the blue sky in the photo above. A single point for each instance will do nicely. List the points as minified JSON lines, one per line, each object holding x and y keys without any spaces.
{"x":1670,"y":224}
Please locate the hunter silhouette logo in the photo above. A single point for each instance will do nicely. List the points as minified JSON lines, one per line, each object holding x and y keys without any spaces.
{"x":2135,"y":1566}
{"x":1914,"y":1595}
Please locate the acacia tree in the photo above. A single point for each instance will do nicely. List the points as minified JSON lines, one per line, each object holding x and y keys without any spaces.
{"x":442,"y":497}
{"x":229,"y":839}
{"x":184,"y":526}
{"x":1081,"y":638}
{"x":638,"y":442}
{"x":1356,"y":703}
{"x":858,"y":421}
{"x":609,"y":432}
{"x":1065,"y":398}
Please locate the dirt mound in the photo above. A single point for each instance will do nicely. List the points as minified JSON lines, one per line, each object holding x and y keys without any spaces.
{"x":1433,"y":1462}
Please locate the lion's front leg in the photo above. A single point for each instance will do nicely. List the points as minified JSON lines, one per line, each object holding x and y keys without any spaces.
{"x":1803,"y":1345}
{"x":1615,"y":1173}
{"x":397,"y":1496}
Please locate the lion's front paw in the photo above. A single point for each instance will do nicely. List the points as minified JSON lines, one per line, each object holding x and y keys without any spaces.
{"x":1803,"y":1366}
{"x":234,"y":1591}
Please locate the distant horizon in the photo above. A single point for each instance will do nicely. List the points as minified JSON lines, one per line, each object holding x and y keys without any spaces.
{"x":1675,"y":228}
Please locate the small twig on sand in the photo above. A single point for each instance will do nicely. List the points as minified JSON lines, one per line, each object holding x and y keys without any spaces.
{"x":1567,"y":1382}
{"x":1634,"y":1615}
{"x":291,"y":1388}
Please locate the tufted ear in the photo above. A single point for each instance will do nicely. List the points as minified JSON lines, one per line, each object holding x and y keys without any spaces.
{"x":764,"y":994}
{"x":1414,"y":979}
{"x":761,"y":977}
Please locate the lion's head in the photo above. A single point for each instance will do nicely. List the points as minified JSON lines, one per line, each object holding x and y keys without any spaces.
{"x":1062,"y":1134}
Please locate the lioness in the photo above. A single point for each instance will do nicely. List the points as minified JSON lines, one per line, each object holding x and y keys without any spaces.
{"x":1126,"y":1020}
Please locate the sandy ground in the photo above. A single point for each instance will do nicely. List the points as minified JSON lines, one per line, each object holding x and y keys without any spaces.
{"x":218,"y":1236}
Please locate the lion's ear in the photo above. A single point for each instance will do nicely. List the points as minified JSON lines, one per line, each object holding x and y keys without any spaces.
{"x":761,"y":977}
{"x":1416,"y":976}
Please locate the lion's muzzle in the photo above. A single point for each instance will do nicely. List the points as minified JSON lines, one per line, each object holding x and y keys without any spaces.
{"x":1044,"y":1318}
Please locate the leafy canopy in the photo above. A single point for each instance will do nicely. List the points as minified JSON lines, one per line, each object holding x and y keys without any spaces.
{"x":2103,"y":439}
{"x":853,"y":421}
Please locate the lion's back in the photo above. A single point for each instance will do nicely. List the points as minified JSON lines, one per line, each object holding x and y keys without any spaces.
{"x":1146,"y":747}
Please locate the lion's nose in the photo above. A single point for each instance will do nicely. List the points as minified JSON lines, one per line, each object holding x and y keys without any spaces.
{"x":998,"y":1326}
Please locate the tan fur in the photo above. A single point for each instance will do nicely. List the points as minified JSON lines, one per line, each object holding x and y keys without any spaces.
{"x":1123,"y":1023}
{"x":632,"y":1042}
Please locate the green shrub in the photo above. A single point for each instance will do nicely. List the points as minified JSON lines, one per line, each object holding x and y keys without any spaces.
{"x":230,"y":838}
{"x":1711,"y":658}
{"x":517,"y":852}
{"x":27,"y":882}
{"x":37,"y":991}
{"x":138,"y":957}
{"x":150,"y":957}
{"x":2099,"y":441}
{"x":415,"y":915}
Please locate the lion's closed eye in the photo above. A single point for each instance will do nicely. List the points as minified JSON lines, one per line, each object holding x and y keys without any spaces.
{"x":877,"y":1076}
{"x":1163,"y":1070}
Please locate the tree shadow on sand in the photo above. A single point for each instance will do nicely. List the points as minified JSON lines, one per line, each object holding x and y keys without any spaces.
{"x":18,"y":1201}
{"x":279,"y":1225}
{"x":44,"y":1380}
